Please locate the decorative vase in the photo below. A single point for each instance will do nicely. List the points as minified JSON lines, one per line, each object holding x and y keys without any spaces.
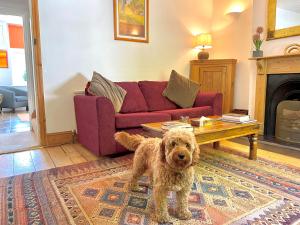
{"x":257,"y":53}
{"x":202,"y":55}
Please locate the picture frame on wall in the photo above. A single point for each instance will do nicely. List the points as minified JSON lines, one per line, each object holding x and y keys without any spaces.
{"x":3,"y":59}
{"x":131,"y":20}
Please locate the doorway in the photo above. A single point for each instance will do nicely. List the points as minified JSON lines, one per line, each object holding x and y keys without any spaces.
{"x":18,"y":126}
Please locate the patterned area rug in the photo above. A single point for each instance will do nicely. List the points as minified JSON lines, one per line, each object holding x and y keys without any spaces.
{"x":228,"y":189}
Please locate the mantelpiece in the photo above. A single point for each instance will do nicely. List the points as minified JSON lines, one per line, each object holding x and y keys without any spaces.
{"x":271,"y":65}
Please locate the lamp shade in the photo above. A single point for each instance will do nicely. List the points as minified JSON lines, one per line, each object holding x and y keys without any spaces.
{"x":203,"y":41}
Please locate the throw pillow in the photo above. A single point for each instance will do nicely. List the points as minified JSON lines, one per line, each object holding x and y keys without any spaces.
{"x":181,"y":90}
{"x":100,"y":86}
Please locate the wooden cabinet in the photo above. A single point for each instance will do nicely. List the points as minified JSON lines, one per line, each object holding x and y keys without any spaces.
{"x":216,"y":75}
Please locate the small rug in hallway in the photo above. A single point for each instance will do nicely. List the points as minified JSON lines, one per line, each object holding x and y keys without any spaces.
{"x":228,"y":189}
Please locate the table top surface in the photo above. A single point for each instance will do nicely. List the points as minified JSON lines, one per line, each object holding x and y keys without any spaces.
{"x":216,"y":126}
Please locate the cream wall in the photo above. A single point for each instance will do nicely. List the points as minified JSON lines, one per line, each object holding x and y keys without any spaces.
{"x":77,"y":38}
{"x":232,"y":34}
{"x":232,"y":38}
{"x":273,"y":47}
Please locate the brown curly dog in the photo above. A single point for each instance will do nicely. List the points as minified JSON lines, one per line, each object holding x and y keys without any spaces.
{"x":170,"y":163}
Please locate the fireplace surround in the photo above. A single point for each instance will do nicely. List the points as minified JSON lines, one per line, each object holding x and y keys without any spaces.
{"x":278,"y":79}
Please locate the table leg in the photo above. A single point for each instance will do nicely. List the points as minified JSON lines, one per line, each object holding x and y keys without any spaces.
{"x":216,"y":145}
{"x":253,"y":146}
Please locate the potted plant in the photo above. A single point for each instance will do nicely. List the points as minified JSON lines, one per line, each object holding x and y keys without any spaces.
{"x":257,"y":40}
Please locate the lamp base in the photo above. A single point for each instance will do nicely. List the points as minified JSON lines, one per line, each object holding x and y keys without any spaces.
{"x":203,"y":55}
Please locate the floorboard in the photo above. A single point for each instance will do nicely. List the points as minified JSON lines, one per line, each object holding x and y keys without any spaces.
{"x":59,"y":157}
{"x":41,"y":159}
{"x":23,"y":163}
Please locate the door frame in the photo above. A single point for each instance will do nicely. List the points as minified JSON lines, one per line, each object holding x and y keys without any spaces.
{"x":38,"y":72}
{"x":31,"y":25}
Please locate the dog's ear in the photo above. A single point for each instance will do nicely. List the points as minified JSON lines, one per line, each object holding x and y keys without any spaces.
{"x":162,"y":152}
{"x":196,"y":153}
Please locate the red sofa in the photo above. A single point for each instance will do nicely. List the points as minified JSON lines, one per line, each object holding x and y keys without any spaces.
{"x":144,"y":103}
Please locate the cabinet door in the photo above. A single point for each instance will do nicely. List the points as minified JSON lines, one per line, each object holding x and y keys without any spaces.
{"x":212,"y":79}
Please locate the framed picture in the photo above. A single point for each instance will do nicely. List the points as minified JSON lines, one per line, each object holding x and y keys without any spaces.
{"x":131,"y":20}
{"x":3,"y":59}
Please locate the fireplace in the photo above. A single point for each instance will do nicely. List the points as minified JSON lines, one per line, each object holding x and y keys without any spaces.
{"x":277,"y":98}
{"x":282,"y":98}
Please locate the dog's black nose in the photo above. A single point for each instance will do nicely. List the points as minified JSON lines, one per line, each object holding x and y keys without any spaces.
{"x":180,"y":156}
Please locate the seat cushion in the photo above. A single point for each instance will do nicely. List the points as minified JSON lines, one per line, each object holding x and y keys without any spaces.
{"x":132,"y":120}
{"x":190,"y":112}
{"x":153,"y":93}
{"x":21,"y":98}
{"x":134,"y":100}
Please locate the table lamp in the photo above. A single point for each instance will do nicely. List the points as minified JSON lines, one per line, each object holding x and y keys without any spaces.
{"x":203,"y":41}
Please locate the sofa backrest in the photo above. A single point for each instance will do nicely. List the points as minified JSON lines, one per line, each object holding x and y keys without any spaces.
{"x":143,"y":96}
{"x":152,"y":91}
{"x":134,"y":100}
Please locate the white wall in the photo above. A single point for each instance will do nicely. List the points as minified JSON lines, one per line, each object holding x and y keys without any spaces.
{"x":77,"y":38}
{"x":232,"y":35}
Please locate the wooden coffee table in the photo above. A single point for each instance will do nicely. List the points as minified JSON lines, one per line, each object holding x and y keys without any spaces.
{"x":216,"y":132}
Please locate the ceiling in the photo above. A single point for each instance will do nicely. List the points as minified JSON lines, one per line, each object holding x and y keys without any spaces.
{"x":291,"y":5}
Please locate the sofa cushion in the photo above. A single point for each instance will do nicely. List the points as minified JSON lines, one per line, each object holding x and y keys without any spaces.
{"x":132,"y":120}
{"x":100,"y":86}
{"x":21,"y":98}
{"x":134,"y":100}
{"x":181,"y":90}
{"x":190,"y":112}
{"x":152,"y":91}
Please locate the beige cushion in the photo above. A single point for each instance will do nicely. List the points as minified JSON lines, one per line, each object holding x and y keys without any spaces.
{"x":181,"y":90}
{"x":101,"y":86}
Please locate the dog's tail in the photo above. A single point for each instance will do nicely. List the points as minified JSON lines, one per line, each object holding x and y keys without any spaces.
{"x":131,"y":142}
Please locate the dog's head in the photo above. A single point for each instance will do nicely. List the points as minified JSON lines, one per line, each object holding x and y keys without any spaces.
{"x":179,"y":149}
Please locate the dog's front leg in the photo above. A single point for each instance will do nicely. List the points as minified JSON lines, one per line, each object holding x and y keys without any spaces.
{"x":161,"y":205}
{"x":182,"y":210}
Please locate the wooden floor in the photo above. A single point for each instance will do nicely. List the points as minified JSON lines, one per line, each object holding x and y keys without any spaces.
{"x":47,"y":158}
{"x":279,"y":154}
{"x":43,"y":159}
{"x":16,"y":126}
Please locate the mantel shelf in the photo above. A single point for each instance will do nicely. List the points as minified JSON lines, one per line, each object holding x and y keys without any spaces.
{"x":275,"y":56}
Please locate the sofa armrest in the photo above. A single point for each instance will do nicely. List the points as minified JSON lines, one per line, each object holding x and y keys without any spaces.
{"x":95,"y":118}
{"x":8,"y":98}
{"x":213,"y":99}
